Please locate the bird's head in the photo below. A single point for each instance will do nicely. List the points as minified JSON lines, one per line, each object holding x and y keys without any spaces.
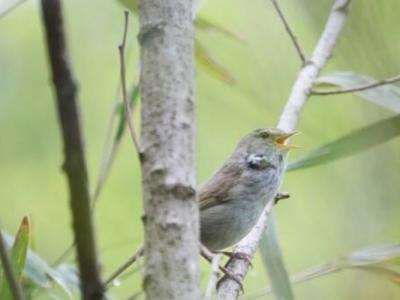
{"x":271,"y":142}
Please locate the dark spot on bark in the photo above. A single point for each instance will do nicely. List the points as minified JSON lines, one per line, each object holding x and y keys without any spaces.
{"x":144,"y":219}
{"x":150,"y":31}
{"x":181,"y":191}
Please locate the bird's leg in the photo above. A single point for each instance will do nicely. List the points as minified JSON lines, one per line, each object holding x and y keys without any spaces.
{"x":239,"y":255}
{"x":280,"y":196}
{"x":209,"y":256}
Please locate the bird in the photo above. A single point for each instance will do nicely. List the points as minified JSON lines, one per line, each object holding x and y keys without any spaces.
{"x":233,"y":198}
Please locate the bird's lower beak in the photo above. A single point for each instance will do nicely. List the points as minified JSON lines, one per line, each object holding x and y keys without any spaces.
{"x":280,"y":141}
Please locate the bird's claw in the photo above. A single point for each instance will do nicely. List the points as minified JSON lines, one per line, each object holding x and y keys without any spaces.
{"x":239,"y":255}
{"x":230,"y":275}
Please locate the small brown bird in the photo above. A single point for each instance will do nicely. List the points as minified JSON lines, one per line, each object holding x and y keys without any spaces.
{"x":232,"y":200}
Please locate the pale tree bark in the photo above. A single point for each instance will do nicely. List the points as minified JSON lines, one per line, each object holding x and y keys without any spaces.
{"x":167,"y":143}
{"x":230,"y":289}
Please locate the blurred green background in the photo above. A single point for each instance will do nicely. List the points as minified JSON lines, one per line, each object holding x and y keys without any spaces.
{"x":334,"y":209}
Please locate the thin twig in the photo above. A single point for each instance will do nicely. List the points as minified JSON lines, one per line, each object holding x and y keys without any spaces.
{"x":293,"y":37}
{"x":212,"y":282}
{"x":108,"y":156}
{"x":14,"y":284}
{"x":128,"y":112}
{"x":357,"y":88}
{"x":75,"y":162}
{"x":11,"y":8}
{"x":229,"y":289}
{"x":124,"y":266}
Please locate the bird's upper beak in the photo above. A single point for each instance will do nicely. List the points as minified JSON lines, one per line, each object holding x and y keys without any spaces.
{"x":280,"y":141}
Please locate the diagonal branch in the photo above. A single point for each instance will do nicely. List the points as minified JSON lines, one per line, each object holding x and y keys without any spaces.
{"x":357,"y":88}
{"x":293,"y":37}
{"x":301,"y":90}
{"x":75,"y":163}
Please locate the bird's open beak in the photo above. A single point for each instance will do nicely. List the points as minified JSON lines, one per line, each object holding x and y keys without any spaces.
{"x":280,"y":141}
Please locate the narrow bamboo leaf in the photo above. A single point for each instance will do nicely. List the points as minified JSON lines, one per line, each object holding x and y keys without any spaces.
{"x":386,"y":96}
{"x":211,"y":65}
{"x":376,"y":260}
{"x":350,"y":144}
{"x":273,"y":261}
{"x":18,"y":254}
{"x":41,"y":274}
{"x":388,"y":274}
{"x":20,"y":247}
{"x":382,"y":255}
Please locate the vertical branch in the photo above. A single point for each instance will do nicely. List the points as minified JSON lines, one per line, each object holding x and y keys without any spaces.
{"x":229,"y":289}
{"x":74,"y":164}
{"x":15,"y":286}
{"x":167,"y":140}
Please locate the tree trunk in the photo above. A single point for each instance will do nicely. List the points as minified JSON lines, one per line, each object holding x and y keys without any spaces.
{"x":167,"y":142}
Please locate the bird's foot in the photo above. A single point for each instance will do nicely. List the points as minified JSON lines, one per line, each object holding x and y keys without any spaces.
{"x":208,"y":255}
{"x":230,"y":275}
{"x":239,"y":255}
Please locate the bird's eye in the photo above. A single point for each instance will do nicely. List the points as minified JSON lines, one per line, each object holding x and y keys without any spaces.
{"x":264,"y":135}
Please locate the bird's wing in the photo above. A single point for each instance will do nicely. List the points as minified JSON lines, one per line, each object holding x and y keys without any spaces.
{"x":216,"y":189}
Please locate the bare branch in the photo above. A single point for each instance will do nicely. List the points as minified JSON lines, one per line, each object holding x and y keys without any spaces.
{"x":229,"y":289}
{"x":75,"y":163}
{"x":11,"y":277}
{"x":128,"y":112}
{"x":293,"y":37}
{"x":357,"y":88}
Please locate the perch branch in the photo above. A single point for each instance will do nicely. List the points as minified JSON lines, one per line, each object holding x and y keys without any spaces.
{"x":229,"y":289}
{"x":357,"y":88}
{"x":75,"y":164}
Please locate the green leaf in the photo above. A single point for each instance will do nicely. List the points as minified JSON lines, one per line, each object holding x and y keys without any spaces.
{"x":20,"y":247}
{"x":273,"y":261}
{"x":375,"y":260}
{"x":372,"y":259}
{"x":350,"y":144}
{"x":387,"y":274}
{"x":42,"y":275}
{"x":377,"y":256}
{"x":386,"y":96}
{"x":18,"y":254}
